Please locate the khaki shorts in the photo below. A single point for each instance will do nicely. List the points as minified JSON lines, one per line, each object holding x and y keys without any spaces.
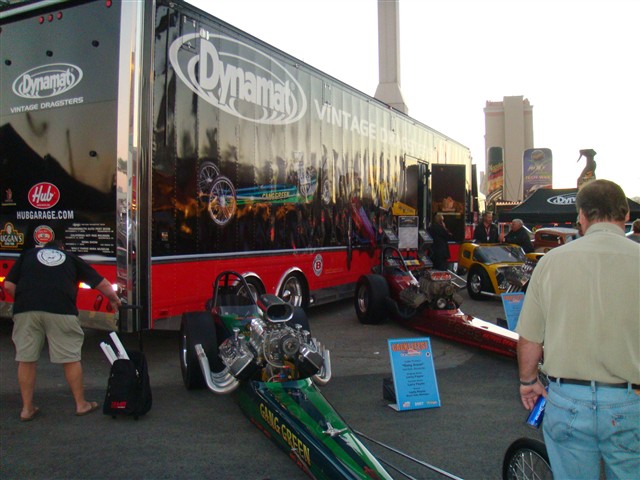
{"x":63,"y":332}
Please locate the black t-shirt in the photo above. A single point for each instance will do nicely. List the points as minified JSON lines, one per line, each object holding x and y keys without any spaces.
{"x":47,"y":280}
{"x":520,"y":237}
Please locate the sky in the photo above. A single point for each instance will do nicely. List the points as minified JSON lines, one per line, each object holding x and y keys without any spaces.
{"x":577,"y":61}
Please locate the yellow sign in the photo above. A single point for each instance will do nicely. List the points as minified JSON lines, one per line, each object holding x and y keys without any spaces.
{"x":400,"y":209}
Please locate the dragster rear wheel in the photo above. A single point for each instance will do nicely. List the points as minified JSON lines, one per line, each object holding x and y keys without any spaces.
{"x":197,"y":328}
{"x":371,"y":296}
{"x":526,"y":459}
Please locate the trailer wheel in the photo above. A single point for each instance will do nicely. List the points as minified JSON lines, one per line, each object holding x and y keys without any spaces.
{"x":195,"y":328}
{"x":372,"y":292}
{"x":526,"y":459}
{"x":255,"y":289}
{"x":294,"y":291}
{"x":206,"y":175}
{"x":477,"y":281}
{"x":222,"y":201}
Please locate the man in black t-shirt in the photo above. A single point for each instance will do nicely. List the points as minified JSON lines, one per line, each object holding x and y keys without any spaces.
{"x":44,"y":284}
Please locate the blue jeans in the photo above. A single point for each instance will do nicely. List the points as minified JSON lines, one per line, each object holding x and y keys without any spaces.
{"x":583,"y":424}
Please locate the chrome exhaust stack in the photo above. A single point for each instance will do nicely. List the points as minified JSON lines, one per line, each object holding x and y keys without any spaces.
{"x":324,"y":375}
{"x":222,"y":382}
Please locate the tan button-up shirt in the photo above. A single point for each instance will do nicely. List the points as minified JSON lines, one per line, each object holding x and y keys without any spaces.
{"x":583,"y":304}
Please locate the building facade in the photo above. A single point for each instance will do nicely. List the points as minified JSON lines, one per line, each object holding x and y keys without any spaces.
{"x":508,"y":134}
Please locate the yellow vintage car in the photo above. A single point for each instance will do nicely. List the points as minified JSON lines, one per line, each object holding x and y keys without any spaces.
{"x":493,"y":269}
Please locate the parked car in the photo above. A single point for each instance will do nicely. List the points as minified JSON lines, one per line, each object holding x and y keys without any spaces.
{"x":490,"y":267}
{"x":547,"y":238}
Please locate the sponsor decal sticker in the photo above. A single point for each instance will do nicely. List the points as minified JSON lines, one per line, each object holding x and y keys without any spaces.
{"x":7,"y":200}
{"x":47,"y":80}
{"x":44,"y":195}
{"x":10,"y":237}
{"x":43,"y":234}
{"x":239,"y":79}
{"x":318,"y":265}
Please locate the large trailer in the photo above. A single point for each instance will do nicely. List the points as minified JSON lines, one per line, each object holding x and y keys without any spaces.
{"x":164,"y":146}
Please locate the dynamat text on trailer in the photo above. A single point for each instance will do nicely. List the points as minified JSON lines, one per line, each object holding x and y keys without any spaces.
{"x":166,"y":146}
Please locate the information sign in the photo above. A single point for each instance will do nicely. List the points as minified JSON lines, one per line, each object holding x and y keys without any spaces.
{"x":414,"y":375}
{"x":512,"y":303}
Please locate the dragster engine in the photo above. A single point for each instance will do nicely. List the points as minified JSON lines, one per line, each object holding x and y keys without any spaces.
{"x":434,"y":289}
{"x":270,"y":350}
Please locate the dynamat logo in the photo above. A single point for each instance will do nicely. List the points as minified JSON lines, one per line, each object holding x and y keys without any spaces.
{"x":44,"y":195}
{"x":566,"y":199}
{"x":47,"y":80}
{"x":287,"y":435}
{"x":239,"y":87}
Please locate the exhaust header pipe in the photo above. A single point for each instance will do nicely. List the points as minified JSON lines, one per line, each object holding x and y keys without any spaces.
{"x":220,"y":383}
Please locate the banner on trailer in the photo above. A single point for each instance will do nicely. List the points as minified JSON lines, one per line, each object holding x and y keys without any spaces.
{"x":414,"y":374}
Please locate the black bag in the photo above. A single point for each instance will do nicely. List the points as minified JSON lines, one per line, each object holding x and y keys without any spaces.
{"x":128,"y":390}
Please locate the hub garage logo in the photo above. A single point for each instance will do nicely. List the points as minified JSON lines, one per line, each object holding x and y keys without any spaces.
{"x":238,"y":79}
{"x":44,"y":195}
{"x":47,"y":81}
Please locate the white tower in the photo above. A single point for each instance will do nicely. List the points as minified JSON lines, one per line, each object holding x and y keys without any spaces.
{"x":388,"y":90}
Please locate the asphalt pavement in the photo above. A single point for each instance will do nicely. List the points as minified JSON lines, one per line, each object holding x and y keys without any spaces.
{"x":197,"y":434}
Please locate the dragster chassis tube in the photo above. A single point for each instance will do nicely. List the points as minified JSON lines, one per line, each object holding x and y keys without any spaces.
{"x":409,"y":457}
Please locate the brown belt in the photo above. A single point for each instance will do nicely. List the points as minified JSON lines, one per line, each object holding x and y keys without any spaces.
{"x":588,"y":383}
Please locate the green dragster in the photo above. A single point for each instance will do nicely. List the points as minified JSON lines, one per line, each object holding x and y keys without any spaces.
{"x":261,"y":351}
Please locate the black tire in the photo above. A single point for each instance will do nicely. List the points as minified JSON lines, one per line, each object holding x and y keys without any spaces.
{"x":372,"y":293}
{"x":197,"y":328}
{"x":526,"y":459}
{"x":477,"y":281}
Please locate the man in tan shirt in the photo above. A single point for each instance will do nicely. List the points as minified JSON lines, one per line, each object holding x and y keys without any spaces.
{"x":583,"y":306}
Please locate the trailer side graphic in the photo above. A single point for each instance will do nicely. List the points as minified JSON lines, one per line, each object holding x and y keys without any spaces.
{"x":165,"y":146}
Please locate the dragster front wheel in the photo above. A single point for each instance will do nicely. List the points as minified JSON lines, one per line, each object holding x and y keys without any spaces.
{"x":197,"y":328}
{"x":370,"y":300}
{"x":222,"y":201}
{"x":526,"y":459}
{"x":207,"y":174}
